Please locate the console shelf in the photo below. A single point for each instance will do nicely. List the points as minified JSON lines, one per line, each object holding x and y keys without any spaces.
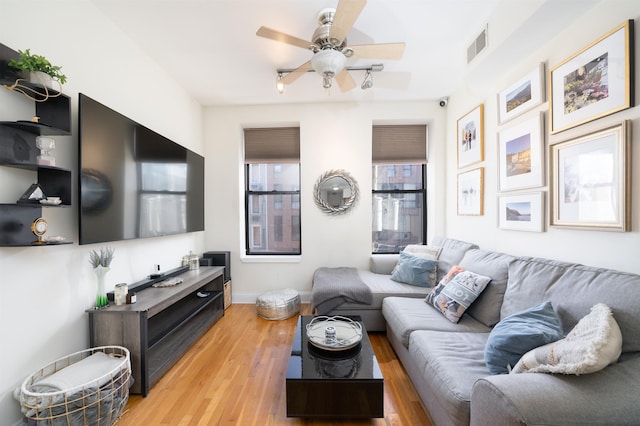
{"x":162,"y":325}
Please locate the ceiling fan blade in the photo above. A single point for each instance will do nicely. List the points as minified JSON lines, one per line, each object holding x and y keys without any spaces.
{"x":346,"y":14}
{"x":276,"y":35}
{"x":295,"y":74}
{"x":345,"y":80}
{"x":379,"y":51}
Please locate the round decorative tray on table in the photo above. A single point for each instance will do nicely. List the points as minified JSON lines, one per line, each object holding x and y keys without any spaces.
{"x":334,"y":333}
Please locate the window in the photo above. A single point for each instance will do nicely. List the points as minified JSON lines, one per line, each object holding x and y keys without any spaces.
{"x":272,"y":192}
{"x":399,"y":187}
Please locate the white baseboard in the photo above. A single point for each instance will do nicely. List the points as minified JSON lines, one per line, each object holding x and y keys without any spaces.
{"x":250,"y":298}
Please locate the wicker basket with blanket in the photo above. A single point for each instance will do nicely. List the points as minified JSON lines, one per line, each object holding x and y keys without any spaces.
{"x":89,"y":387}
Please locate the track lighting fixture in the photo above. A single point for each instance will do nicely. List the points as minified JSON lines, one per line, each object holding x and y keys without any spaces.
{"x":328,"y":71}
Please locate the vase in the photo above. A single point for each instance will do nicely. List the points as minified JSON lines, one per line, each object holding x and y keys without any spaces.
{"x":101,"y":296}
{"x":44,"y":79}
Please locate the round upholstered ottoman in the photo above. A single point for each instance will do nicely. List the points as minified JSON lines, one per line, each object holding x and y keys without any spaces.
{"x":278,"y":304}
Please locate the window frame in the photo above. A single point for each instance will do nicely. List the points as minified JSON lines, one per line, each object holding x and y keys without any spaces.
{"x":249,"y":226}
{"x":392,"y":192}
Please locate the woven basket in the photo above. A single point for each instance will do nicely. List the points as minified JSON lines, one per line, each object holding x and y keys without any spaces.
{"x":99,"y":401}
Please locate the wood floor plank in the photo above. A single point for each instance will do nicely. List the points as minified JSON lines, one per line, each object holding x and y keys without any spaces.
{"x":235,"y":375}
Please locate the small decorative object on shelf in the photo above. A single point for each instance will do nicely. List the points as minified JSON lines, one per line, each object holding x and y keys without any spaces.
{"x":120,"y":293}
{"x":46,"y":146}
{"x":100,"y":262}
{"x":39,"y":227}
{"x":32,"y":195}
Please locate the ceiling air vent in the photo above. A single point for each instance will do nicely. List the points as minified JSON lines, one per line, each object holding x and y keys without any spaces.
{"x":477,"y":46}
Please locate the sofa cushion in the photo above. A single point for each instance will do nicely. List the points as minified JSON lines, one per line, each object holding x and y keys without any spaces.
{"x":451,"y":253}
{"x":405,"y":315}
{"x":456,"y":292}
{"x":574,"y":289}
{"x":383,"y":286}
{"x":486,"y":308}
{"x":415,"y":270}
{"x":451,"y":363}
{"x":519,"y":333}
{"x":594,"y":343}
{"x":383,"y":263}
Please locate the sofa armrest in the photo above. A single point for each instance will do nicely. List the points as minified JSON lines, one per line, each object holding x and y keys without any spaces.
{"x":555,"y":399}
{"x":383,"y":263}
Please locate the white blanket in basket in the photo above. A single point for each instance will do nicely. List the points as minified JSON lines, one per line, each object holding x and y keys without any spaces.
{"x":92,"y":371}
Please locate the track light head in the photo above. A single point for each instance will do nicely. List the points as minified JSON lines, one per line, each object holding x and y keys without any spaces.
{"x":368,"y":81}
{"x":280,"y":84}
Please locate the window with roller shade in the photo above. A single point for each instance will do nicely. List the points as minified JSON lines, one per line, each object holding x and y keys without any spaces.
{"x":399,"y":155}
{"x":272,"y":191}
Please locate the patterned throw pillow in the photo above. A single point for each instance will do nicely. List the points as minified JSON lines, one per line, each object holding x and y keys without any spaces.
{"x":456,"y":291}
{"x":415,"y":270}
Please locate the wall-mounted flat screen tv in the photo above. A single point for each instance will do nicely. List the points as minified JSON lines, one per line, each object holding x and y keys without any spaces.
{"x":134,"y":183}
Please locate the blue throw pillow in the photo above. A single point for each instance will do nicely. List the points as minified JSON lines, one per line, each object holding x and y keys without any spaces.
{"x":415,"y":270}
{"x":517,"y":334}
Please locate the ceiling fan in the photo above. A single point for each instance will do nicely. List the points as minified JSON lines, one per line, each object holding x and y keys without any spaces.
{"x":329,"y":46}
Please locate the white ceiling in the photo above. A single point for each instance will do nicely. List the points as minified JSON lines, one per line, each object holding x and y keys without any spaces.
{"x":210,"y":46}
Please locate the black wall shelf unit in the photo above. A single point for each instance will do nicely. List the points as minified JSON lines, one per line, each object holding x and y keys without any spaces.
{"x":18,"y":150}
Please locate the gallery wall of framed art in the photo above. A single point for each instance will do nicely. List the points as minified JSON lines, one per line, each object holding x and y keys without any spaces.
{"x":586,"y":176}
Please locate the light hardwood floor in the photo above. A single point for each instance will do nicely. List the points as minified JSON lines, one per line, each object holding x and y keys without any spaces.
{"x":235,"y":375}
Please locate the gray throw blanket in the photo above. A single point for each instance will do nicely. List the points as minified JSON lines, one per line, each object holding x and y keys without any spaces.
{"x":334,"y":286}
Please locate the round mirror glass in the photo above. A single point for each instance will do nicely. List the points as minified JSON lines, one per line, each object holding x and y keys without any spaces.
{"x":335,"y":192}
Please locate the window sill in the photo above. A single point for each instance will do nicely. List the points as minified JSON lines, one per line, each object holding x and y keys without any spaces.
{"x":270,"y":259}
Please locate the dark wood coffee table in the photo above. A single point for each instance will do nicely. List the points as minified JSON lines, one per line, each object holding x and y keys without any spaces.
{"x":341,"y":384}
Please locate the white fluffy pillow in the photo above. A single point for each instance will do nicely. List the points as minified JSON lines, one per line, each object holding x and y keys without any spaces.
{"x":594,"y":343}
{"x":421,"y":250}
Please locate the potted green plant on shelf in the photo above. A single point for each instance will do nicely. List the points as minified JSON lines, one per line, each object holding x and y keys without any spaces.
{"x":40,"y":69}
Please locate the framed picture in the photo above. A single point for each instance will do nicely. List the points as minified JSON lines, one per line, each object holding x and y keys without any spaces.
{"x":471,"y":137}
{"x":521,"y":162}
{"x":471,"y":193}
{"x":523,"y":95}
{"x":522,"y":212}
{"x":594,"y":82}
{"x":591,"y":180}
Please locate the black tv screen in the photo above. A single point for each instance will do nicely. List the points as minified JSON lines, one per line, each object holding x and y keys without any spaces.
{"x":134,"y":183}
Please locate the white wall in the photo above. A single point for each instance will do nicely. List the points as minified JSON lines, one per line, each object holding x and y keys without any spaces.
{"x":44,"y":291}
{"x":598,"y":248}
{"x":332,"y":136}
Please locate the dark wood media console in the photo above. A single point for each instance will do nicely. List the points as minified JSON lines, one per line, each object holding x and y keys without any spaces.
{"x":162,"y":325}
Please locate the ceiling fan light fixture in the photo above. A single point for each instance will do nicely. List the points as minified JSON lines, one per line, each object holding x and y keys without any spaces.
{"x":328,"y":63}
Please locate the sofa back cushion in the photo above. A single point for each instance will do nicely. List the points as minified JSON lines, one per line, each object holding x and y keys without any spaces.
{"x":486,"y":308}
{"x":574,"y":289}
{"x":451,"y":253}
{"x":383,"y":263}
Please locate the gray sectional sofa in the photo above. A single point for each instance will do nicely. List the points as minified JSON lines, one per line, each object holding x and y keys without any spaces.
{"x":445,"y":360}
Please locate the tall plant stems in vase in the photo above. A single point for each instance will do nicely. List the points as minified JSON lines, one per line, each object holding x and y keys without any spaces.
{"x":100,"y":262}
